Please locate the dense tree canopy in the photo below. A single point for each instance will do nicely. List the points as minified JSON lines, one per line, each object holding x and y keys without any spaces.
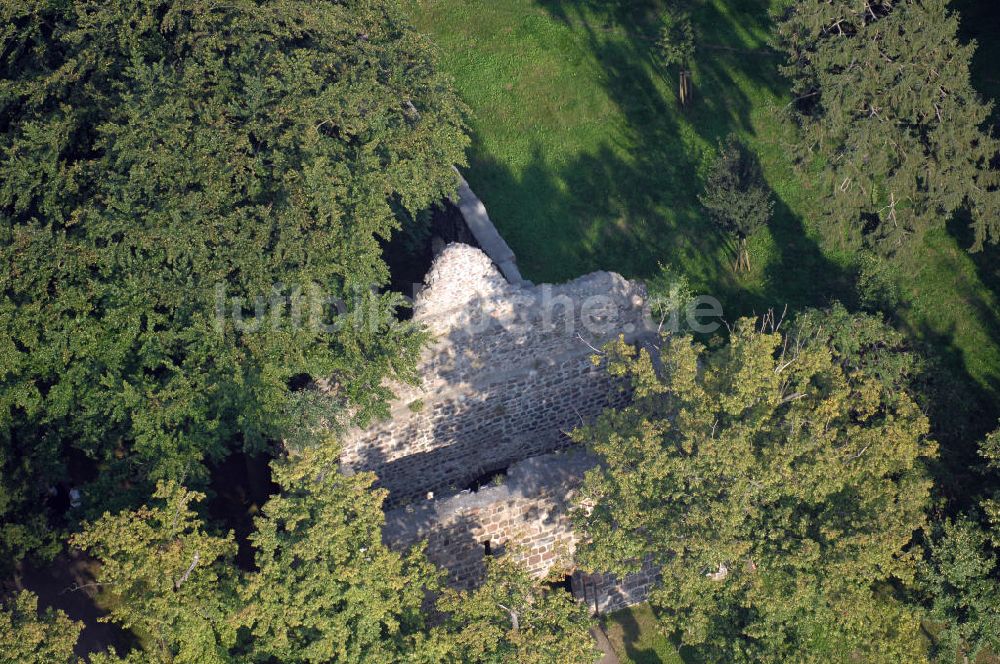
{"x":777,"y":485}
{"x":960,"y":578}
{"x":173,"y":583}
{"x":326,"y":588}
{"x":194,"y":197}
{"x":160,"y":157}
{"x":27,"y":637}
{"x":961,"y":575}
{"x":511,"y":618}
{"x":989,"y":449}
{"x":884,"y":100}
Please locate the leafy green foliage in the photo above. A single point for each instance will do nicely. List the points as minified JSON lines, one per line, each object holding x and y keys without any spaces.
{"x":776,"y":485}
{"x":862,"y":344}
{"x":670,"y":297}
{"x":29,"y":638}
{"x":677,"y":46}
{"x":960,"y":576}
{"x":989,"y":449}
{"x":736,"y":196}
{"x":172,"y":582}
{"x":677,"y":43}
{"x":510,"y":618}
{"x":885,"y":101}
{"x":162,"y":157}
{"x":878,"y":289}
{"x":24,"y":532}
{"x":112,"y":657}
{"x":586,"y":162}
{"x":326,"y":588}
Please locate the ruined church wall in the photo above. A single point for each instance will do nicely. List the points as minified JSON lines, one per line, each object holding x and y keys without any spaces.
{"x":508,"y":375}
{"x":526,"y":516}
{"x":451,"y":440}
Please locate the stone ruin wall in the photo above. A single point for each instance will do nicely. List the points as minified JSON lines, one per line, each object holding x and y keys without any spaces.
{"x":529,"y":513}
{"x":507,"y":376}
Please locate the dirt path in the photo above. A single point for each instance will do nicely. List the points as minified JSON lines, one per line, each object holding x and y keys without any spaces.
{"x":604,"y":645}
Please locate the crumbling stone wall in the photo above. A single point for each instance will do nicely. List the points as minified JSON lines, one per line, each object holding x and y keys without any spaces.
{"x":527,"y":515}
{"x":507,"y":376}
{"x":604,"y":593}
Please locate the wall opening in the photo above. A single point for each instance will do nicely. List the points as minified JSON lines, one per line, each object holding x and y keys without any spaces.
{"x":565,"y":583}
{"x":489,"y":478}
{"x":487,"y":548}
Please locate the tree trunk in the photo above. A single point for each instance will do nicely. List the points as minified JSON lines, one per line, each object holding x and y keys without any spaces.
{"x":742,"y":262}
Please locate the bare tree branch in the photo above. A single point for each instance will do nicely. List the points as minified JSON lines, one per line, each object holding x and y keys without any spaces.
{"x":194,"y":562}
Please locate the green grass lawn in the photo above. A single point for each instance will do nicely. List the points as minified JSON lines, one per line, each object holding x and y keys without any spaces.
{"x":635,"y":638}
{"x":586,"y":162}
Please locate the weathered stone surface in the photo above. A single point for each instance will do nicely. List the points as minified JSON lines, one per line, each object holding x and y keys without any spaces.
{"x":509,"y":373}
{"x":486,"y":234}
{"x":527,"y":516}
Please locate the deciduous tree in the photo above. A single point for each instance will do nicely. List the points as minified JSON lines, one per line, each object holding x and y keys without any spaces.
{"x":512,"y":618}
{"x":326,"y":588}
{"x":776,"y":485}
{"x":171,"y":582}
{"x":960,"y":577}
{"x":29,"y":638}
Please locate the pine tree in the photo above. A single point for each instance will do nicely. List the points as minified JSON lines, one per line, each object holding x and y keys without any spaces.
{"x":736,"y":197}
{"x":161,"y":158}
{"x":890,"y":118}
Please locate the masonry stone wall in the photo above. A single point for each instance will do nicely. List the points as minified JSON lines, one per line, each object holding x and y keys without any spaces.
{"x":527,"y":515}
{"x":605,"y":593}
{"x":507,"y":376}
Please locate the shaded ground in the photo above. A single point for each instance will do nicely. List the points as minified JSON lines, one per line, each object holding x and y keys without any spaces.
{"x":239,"y":487}
{"x":585,"y":160}
{"x":68,"y":584}
{"x":634,"y":636}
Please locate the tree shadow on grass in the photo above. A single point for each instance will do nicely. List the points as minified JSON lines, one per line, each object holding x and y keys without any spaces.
{"x":630,"y":636}
{"x":958,"y":408}
{"x":630,"y":207}
{"x":960,"y":401}
{"x":980,"y":21}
